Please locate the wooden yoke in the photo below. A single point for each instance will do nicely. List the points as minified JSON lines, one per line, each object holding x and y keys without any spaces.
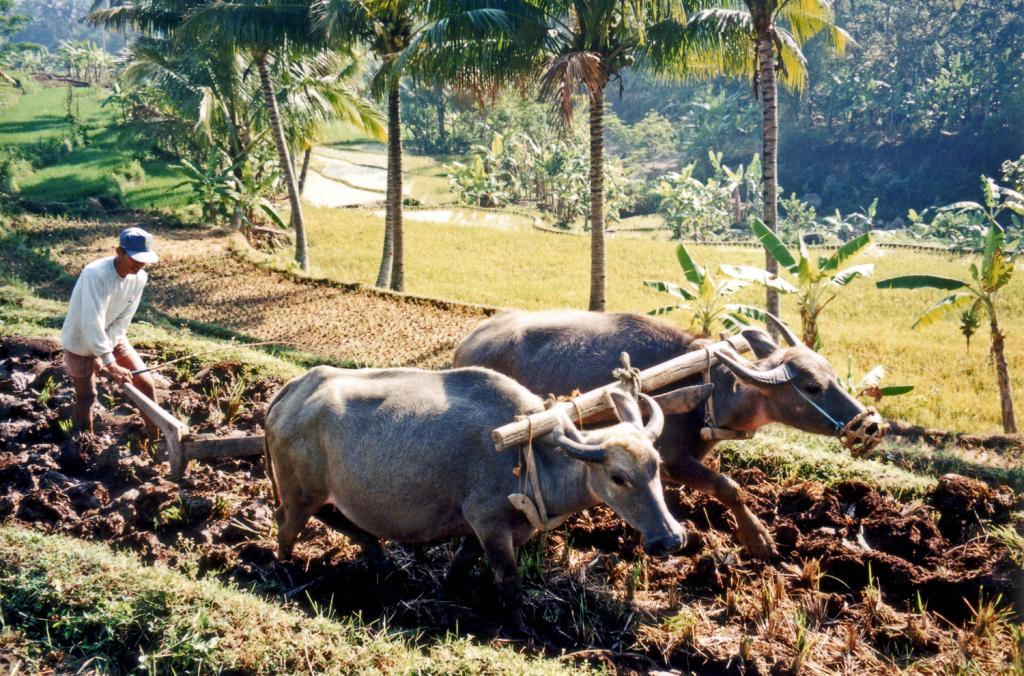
{"x":174,"y":430}
{"x":593,"y":404}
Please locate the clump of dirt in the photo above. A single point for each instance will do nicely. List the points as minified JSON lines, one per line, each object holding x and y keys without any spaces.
{"x":965,"y":504}
{"x":878,"y":582}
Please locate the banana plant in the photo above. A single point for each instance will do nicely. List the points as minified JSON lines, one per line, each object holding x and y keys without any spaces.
{"x":705,"y":297}
{"x":870,"y":384}
{"x":221,"y":193}
{"x":818,"y":280}
{"x":976,"y":298}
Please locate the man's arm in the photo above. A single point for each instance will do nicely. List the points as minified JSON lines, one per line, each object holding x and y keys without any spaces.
{"x":118,"y":328}
{"x":93,"y":306}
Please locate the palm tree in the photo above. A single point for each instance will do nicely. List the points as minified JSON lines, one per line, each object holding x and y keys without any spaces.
{"x":435,"y":43}
{"x":315,"y":96}
{"x":770,"y":34}
{"x":206,"y":71}
{"x":386,"y":28}
{"x":267,"y":30}
{"x":571,"y":46}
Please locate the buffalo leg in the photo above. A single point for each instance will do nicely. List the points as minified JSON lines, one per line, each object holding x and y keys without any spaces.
{"x":751,"y":532}
{"x":290,"y":522}
{"x":368,"y":542}
{"x":464,"y":560}
{"x":501,"y":555}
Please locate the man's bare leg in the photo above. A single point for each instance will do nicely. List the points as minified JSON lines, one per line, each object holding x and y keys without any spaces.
{"x":85,"y":397}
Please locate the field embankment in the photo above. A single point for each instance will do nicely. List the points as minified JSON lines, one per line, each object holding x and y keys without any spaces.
{"x":83,"y":606}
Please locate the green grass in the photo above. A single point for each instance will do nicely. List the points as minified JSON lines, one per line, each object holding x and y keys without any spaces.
{"x":901,"y":469}
{"x":109,"y":613}
{"x":88,"y":170}
{"x":954,"y":387}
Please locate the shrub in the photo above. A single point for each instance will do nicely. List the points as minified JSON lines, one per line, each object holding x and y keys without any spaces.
{"x":13,"y":168}
{"x":132,"y":172}
{"x":48,"y":152}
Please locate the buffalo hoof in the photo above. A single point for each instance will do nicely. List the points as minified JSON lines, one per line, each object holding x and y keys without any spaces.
{"x":758,"y":542}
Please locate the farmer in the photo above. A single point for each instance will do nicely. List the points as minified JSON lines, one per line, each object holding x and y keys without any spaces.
{"x":102,"y":305}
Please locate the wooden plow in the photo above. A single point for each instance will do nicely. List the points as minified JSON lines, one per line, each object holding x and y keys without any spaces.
{"x":181,"y":445}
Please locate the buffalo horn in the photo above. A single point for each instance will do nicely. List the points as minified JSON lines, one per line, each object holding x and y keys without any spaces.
{"x":783,"y":330}
{"x":684,"y":399}
{"x":780,"y":375}
{"x":657,"y":421}
{"x":580,"y":451}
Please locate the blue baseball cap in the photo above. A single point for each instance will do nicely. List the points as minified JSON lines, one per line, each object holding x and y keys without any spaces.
{"x":138,"y":244}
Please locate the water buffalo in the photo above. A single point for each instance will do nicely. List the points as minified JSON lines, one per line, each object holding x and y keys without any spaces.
{"x":559,"y":352}
{"x":407,"y":455}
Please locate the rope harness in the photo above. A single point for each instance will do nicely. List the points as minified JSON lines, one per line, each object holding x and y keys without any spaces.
{"x":711,"y":431}
{"x":533,"y":507}
{"x":858,"y":436}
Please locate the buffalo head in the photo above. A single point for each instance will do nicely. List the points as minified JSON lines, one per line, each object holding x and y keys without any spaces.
{"x":796,"y":386}
{"x":623,"y":470}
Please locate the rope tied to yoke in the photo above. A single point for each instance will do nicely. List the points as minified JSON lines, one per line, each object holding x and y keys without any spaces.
{"x":628,"y":376}
{"x":709,"y":404}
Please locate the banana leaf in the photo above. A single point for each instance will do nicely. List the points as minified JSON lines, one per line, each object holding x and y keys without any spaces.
{"x":893,"y":390}
{"x":993,"y":244}
{"x":921,"y":282}
{"x":665,"y":309}
{"x":268,"y":209}
{"x":691,"y":270}
{"x":774,"y":246}
{"x":945,"y":307}
{"x":848,"y":250}
{"x":672,"y":289}
{"x":853,"y":272}
{"x":758,"y":276}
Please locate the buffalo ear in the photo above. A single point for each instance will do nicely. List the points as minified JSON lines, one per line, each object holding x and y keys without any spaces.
{"x":684,"y":399}
{"x":760,"y":342}
{"x":627,"y":407}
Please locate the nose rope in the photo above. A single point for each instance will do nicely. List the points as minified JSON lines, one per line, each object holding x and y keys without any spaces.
{"x":835,"y":423}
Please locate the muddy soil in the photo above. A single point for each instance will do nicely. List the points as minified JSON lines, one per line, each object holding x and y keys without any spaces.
{"x":851,"y":559}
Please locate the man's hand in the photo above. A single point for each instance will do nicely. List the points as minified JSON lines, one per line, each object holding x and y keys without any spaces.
{"x":118,"y":372}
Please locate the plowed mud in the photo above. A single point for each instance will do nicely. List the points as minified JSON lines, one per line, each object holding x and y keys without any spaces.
{"x":869,"y":582}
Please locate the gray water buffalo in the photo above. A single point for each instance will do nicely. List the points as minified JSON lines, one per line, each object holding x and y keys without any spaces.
{"x":407,"y":455}
{"x":559,"y":352}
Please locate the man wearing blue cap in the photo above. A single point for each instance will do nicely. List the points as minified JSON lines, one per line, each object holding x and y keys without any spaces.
{"x":105,"y":299}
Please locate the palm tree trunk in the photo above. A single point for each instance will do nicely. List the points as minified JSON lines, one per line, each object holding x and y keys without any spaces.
{"x":392,"y":204}
{"x":597,"y":267}
{"x":305,"y":169}
{"x":770,"y":133}
{"x":395,"y":185}
{"x":301,"y":246}
{"x":1003,"y":377}
{"x":442,"y":109}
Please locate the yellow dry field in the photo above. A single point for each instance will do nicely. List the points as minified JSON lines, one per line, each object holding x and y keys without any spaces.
{"x":954,"y":387}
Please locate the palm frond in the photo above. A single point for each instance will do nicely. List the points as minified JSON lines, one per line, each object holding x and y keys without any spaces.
{"x":794,"y":63}
{"x":566,"y":75}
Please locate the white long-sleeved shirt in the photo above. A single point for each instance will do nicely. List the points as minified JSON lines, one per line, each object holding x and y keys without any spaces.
{"x":102,"y":305}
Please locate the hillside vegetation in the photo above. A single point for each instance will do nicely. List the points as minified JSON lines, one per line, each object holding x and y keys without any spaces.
{"x":93,"y":156}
